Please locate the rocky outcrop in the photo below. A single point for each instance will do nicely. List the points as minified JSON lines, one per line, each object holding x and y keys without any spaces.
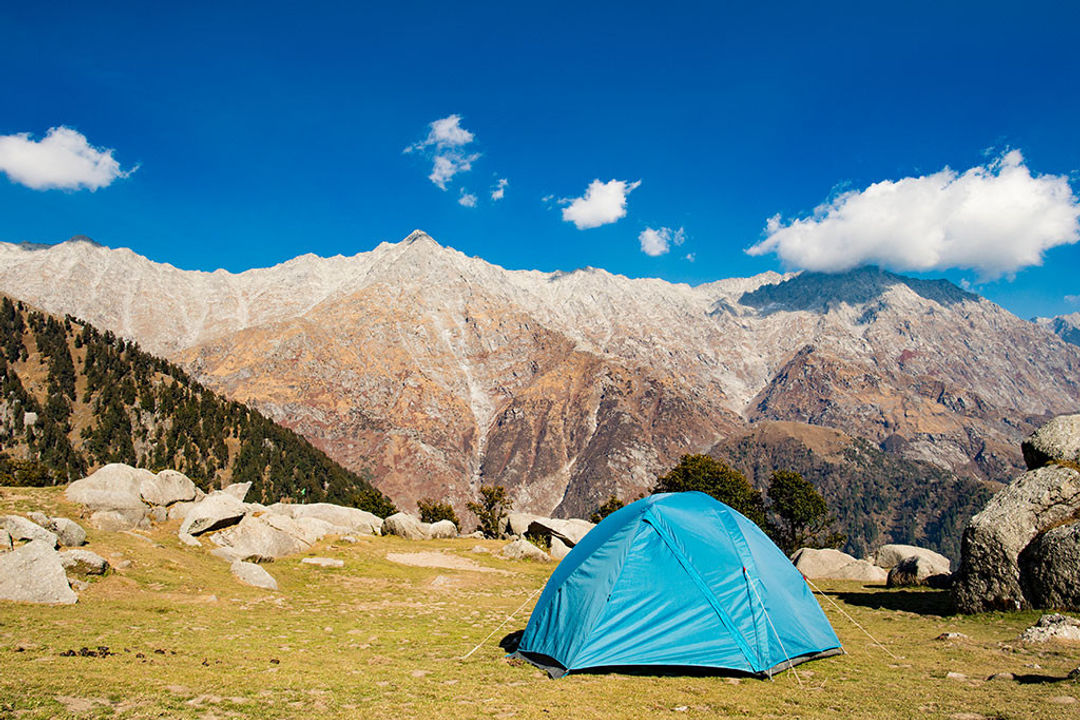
{"x":68,"y":532}
{"x":259,"y":539}
{"x":114,"y":491}
{"x":443,"y":529}
{"x":1053,"y":627}
{"x":1050,"y":568}
{"x":237,"y":490}
{"x":570,"y":532}
{"x":889,"y":556}
{"x":166,"y":488}
{"x":1057,"y":440}
{"x":989,"y":574}
{"x":829,"y":564}
{"x":406,"y":526}
{"x":918,"y":570}
{"x":521,"y":549}
{"x":19,"y":528}
{"x":34,"y":573}
{"x":352,"y":520}
{"x":251,"y":574}
{"x":83,"y":562}
{"x":217,"y":510}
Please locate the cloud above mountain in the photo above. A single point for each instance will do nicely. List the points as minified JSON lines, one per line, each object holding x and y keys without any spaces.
{"x":658,"y":242}
{"x":995,"y":219}
{"x":602,"y":204}
{"x":445,"y":145}
{"x":64,"y":159}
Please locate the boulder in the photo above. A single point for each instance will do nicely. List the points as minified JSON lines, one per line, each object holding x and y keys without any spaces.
{"x":1050,"y":568}
{"x":353,"y":519}
{"x":889,"y":556}
{"x":1058,"y":439}
{"x":19,"y":528}
{"x":989,"y":575}
{"x":406,"y":526}
{"x":190,"y":540}
{"x":262,"y":538}
{"x":5,"y":541}
{"x":1053,"y":627}
{"x":38,"y":518}
{"x":443,"y":529}
{"x":179,"y":511}
{"x":559,"y":550}
{"x":166,"y":488}
{"x":68,"y":532}
{"x":217,"y":510}
{"x":522,"y":549}
{"x":33,"y":573}
{"x":237,"y":490}
{"x":829,"y":564}
{"x":119,"y":520}
{"x":917,"y":570}
{"x":517,"y":524}
{"x":313,"y":529}
{"x":569,"y":531}
{"x":252,"y":574}
{"x":113,"y":487}
{"x":83,"y":561}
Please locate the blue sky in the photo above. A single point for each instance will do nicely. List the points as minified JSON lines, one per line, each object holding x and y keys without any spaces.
{"x":258,"y":132}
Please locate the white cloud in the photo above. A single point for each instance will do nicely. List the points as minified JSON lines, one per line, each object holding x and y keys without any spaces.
{"x":995,"y":219}
{"x":1072,"y":299}
{"x":691,"y":257}
{"x":62,"y":159}
{"x":500,"y":189}
{"x":445,"y":146}
{"x":659,"y":242}
{"x":602,"y":203}
{"x":467,"y":199}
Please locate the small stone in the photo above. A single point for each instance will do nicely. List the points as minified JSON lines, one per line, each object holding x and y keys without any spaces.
{"x":323,"y":562}
{"x":84,"y":562}
{"x":1063,"y":700}
{"x":955,"y":676}
{"x":123,"y":565}
{"x":252,"y":574}
{"x":951,"y":636}
{"x":1002,"y":676}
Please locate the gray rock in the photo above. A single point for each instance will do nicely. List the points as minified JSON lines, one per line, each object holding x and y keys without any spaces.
{"x":1050,"y":568}
{"x":517,"y":523}
{"x":262,"y":538}
{"x":1058,"y":439}
{"x":158,"y":514}
{"x":217,"y":510}
{"x":112,"y":487}
{"x":1053,"y":627}
{"x":166,"y":488}
{"x":989,"y":575}
{"x":19,"y":528}
{"x":829,"y":564}
{"x":313,"y":529}
{"x":569,"y":531}
{"x":238,"y":490}
{"x":917,"y":570}
{"x":353,"y":519}
{"x":443,"y":529}
{"x":227,"y":554}
{"x":522,"y":549}
{"x":68,"y":532}
{"x":559,"y":550}
{"x":889,"y":556}
{"x":33,"y":573}
{"x":119,"y":520}
{"x":83,"y":561}
{"x":38,"y":518}
{"x":323,"y":562}
{"x":252,"y":574}
{"x":179,"y":511}
{"x":5,"y":541}
{"x":1001,"y":676}
{"x":406,"y":526}
{"x":189,"y":540}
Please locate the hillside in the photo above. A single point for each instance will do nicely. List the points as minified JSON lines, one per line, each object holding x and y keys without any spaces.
{"x":74,"y":398}
{"x":441,"y":372}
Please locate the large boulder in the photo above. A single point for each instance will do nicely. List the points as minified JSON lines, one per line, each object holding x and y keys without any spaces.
{"x":559,"y":550}
{"x":83,"y":561}
{"x":1050,"y":568}
{"x":353,"y":519}
{"x":166,"y":488}
{"x":522,"y":549}
{"x":517,"y":523}
{"x":1058,"y":439}
{"x":33,"y":573}
{"x":237,"y":490}
{"x":119,"y":520}
{"x":68,"y":532}
{"x":217,"y":510}
{"x":830,"y":564}
{"x":262,"y":538}
{"x":989,"y":575}
{"x":569,"y":531}
{"x":443,"y":529}
{"x":251,"y":574}
{"x":19,"y":528}
{"x":889,"y":556}
{"x":918,"y":570}
{"x":406,"y":526}
{"x":115,"y":486}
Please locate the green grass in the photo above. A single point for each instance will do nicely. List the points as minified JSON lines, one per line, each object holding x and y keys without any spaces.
{"x":376,"y":638}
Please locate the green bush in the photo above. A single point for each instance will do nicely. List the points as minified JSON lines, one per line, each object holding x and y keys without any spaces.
{"x":432,"y":511}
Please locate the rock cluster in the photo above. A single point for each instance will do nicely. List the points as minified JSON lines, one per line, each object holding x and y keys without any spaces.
{"x":122,"y":497}
{"x":893,"y":564}
{"x":31,"y":569}
{"x":826,"y":563}
{"x":1021,"y":551}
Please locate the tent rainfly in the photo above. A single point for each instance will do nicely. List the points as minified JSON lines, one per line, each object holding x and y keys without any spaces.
{"x":676,"y":579}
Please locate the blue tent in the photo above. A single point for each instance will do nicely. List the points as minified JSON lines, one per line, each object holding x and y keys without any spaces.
{"x":676,"y":579}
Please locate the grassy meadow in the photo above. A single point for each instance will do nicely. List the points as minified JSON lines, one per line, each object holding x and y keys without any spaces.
{"x":381,"y":638}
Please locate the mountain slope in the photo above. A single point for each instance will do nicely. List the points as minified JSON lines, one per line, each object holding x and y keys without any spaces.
{"x":445,"y":371}
{"x":1067,"y":327}
{"x":75,"y":398}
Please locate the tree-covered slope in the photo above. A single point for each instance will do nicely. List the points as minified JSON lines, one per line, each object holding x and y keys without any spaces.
{"x":73,"y":398}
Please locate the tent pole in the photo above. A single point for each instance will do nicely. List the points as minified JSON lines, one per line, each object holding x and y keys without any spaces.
{"x":750,"y":582}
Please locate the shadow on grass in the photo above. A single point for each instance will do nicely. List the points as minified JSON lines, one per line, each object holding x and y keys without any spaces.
{"x":920,"y":602}
{"x":1034,"y":679}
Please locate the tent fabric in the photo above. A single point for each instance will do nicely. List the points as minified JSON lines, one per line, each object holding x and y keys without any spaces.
{"x":676,"y":579}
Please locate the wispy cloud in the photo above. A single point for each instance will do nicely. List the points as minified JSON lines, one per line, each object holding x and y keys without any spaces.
{"x":659,"y":242}
{"x":602,"y":203}
{"x":445,"y":146}
{"x":467,"y":199}
{"x":691,"y":257}
{"x":499,"y":191}
{"x":1072,"y":299}
{"x":63,"y":159}
{"x":995,"y":219}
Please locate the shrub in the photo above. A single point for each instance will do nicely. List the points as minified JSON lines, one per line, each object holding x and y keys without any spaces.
{"x":708,"y":475}
{"x":492,"y":507}
{"x":432,"y":511}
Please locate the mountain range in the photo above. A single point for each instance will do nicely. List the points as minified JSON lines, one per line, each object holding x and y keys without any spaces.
{"x":438,"y":372}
